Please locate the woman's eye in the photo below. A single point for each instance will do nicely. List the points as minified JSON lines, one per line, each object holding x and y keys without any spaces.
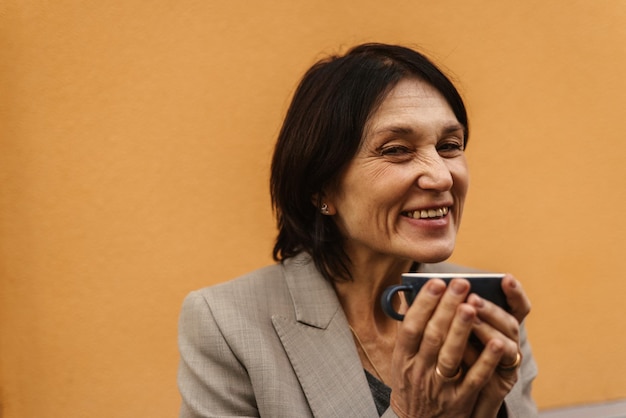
{"x":449,"y":147}
{"x":395,"y":150}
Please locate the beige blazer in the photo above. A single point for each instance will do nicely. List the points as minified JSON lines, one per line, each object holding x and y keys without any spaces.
{"x":276,"y":343}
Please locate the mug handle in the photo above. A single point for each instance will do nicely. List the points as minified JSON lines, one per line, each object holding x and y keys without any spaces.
{"x":386,"y":300}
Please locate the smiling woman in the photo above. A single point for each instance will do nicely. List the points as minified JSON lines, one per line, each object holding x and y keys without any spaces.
{"x":412,"y":155}
{"x":368,"y":181}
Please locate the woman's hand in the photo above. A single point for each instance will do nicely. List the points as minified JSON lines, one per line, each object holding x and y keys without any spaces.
{"x":495,"y":324}
{"x":435,"y":372}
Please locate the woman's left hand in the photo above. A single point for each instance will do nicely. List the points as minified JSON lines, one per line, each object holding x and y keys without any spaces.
{"x":497,"y":327}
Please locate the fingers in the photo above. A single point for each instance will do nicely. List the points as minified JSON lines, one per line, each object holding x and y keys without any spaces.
{"x":495,"y":316}
{"x":415,"y":320}
{"x":511,"y":354}
{"x":446,"y":322}
{"x":484,"y":367}
{"x":516,"y":297}
{"x":434,"y":367}
{"x":438,"y":324}
{"x":493,"y":386}
{"x":493,"y":323}
{"x":438,"y":327}
{"x":428,"y":322}
{"x":451,"y":354}
{"x":511,"y":367}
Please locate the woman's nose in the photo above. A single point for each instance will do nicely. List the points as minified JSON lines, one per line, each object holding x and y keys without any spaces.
{"x":434,"y":174}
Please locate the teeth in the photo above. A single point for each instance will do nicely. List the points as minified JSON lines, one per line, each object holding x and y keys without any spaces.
{"x":430,"y":213}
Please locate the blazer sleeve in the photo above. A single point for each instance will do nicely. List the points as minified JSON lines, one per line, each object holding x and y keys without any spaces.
{"x":211,"y":380}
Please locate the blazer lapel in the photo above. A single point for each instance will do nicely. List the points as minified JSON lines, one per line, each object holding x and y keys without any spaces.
{"x":320,"y":347}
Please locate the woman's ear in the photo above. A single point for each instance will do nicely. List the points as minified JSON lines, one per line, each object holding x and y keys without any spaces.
{"x":323,"y":204}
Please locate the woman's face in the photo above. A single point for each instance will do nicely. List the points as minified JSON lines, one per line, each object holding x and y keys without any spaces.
{"x":402,"y":195}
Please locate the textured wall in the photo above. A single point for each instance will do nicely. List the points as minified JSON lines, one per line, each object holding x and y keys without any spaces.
{"x":135,"y":140}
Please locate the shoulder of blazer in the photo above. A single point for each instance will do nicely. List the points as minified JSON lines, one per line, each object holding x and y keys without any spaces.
{"x":249,"y":300}
{"x":292,"y":289}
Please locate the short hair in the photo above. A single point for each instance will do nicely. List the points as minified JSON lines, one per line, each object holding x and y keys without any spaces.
{"x":322,"y":132}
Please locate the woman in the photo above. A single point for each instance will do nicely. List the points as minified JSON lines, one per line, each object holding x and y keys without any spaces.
{"x":368,"y":181}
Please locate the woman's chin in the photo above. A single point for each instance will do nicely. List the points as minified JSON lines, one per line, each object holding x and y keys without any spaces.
{"x":434,"y":255}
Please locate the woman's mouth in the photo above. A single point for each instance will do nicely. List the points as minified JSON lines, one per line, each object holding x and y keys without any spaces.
{"x":427,"y":213}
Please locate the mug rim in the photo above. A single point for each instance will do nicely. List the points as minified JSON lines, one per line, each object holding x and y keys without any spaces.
{"x":455,"y":275}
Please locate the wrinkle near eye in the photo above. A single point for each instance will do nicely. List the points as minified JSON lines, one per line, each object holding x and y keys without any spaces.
{"x":376,"y":170}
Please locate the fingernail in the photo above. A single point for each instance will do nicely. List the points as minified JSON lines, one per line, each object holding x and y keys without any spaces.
{"x":466,"y":316}
{"x":476,"y":300}
{"x":435,"y":289}
{"x":458,"y":287}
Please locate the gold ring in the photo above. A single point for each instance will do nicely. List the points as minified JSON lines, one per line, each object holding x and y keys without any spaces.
{"x":512,"y":366}
{"x":445,"y":378}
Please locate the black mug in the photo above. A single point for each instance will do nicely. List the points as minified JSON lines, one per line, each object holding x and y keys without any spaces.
{"x":486,"y":285}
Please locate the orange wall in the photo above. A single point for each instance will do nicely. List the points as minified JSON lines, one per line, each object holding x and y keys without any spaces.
{"x":135,"y":140}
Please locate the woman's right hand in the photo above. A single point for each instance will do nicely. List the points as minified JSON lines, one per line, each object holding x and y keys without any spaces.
{"x":427,"y":378}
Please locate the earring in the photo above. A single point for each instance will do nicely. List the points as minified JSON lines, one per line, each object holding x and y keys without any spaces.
{"x":324,"y":209}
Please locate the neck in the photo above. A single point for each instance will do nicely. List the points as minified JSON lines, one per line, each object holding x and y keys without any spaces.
{"x":360,"y":297}
{"x":374,"y":332}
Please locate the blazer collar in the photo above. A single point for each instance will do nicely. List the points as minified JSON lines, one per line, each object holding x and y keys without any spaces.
{"x":320,"y":346}
{"x":314,"y":298}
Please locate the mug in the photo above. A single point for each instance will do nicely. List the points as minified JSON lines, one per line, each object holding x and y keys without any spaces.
{"x":486,"y":285}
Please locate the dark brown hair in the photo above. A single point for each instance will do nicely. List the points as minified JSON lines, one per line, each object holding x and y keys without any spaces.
{"x":321,"y":134}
